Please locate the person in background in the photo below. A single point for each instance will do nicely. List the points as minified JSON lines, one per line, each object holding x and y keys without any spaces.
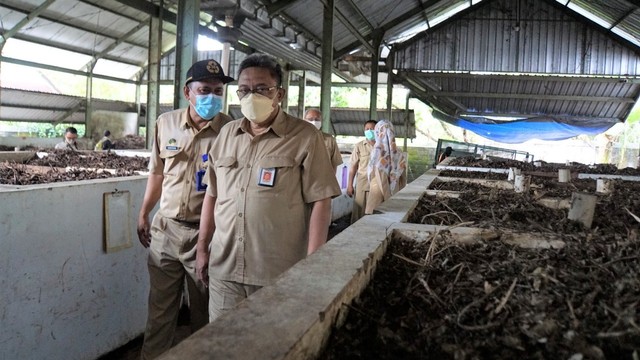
{"x":70,"y":140}
{"x":182,"y":140}
{"x":314,"y":116}
{"x":267,"y":170}
{"x":445,"y":154}
{"x":104,"y":143}
{"x":387,"y":167}
{"x":358,"y":166}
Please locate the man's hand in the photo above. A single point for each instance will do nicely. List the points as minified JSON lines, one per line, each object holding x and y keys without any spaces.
{"x":143,"y":230}
{"x":350,"y":190}
{"x":202,"y":265}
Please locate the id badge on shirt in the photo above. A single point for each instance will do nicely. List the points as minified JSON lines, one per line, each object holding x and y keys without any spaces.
{"x":267,"y":177}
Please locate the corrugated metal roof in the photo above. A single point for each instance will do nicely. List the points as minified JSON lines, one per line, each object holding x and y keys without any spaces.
{"x":460,"y":70}
{"x":346,"y":121}
{"x":20,"y":105}
{"x":116,"y":31}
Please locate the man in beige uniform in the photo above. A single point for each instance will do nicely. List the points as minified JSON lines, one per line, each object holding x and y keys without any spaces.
{"x":182,"y":142}
{"x":314,"y":116}
{"x":266,"y":169}
{"x":359,"y":162}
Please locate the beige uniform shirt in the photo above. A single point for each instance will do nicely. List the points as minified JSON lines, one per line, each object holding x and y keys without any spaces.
{"x":263,"y":186}
{"x":332,"y":149}
{"x":360,"y":155}
{"x":177,"y":155}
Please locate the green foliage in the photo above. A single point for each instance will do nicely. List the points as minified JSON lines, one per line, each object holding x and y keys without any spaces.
{"x":43,"y":130}
{"x":634,"y":115}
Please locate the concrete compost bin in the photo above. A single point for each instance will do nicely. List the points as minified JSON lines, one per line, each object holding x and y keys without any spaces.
{"x":66,"y":293}
{"x":293,"y":318}
{"x":73,"y":282}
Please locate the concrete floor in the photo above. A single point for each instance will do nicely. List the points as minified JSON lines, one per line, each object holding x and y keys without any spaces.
{"x":131,"y":351}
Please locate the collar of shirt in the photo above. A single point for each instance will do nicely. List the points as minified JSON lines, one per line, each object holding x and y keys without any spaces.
{"x":279,"y":125}
{"x":215,"y":124}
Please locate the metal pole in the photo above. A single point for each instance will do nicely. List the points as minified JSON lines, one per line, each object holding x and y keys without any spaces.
{"x":153,"y":75}
{"x":302,"y":84}
{"x":186,"y":46}
{"x":327,"y":64}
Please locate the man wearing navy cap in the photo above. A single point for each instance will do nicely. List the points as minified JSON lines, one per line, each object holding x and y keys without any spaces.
{"x":182,"y":141}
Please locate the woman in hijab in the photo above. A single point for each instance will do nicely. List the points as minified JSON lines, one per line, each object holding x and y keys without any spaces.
{"x":387,"y":167}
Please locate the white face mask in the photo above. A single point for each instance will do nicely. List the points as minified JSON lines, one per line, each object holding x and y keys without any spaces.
{"x":317,"y":124}
{"x":256,"y":108}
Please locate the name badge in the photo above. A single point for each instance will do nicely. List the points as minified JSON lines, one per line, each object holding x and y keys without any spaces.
{"x":169,"y":147}
{"x":267,"y":177}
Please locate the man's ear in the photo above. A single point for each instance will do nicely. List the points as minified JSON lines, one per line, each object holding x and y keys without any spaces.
{"x":185,"y":91}
{"x":281,"y":94}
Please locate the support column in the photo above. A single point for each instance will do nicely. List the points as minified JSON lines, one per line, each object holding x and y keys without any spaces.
{"x":186,"y":46}
{"x":88,"y":112}
{"x":406,"y":122}
{"x":224,"y":62}
{"x":226,"y":47}
{"x":302,"y":87}
{"x":375,"y":57}
{"x":390,"y":64}
{"x":153,"y":75}
{"x":138,"y":102}
{"x":285,"y":85}
{"x":327,"y":64}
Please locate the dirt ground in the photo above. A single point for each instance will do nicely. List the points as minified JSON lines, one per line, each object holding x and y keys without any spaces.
{"x":440,"y":300}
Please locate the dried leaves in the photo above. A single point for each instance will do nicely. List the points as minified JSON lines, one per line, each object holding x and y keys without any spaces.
{"x":494,"y":301}
{"x":439,"y":299}
{"x":83,"y":166}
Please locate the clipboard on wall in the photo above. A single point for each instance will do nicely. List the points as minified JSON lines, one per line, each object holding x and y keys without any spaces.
{"x":117,"y":217}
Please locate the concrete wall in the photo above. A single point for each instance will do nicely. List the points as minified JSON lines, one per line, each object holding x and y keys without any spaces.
{"x":61,"y":295}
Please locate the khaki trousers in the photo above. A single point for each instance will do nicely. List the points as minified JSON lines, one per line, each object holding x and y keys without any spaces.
{"x":359,"y":204}
{"x":225,"y":295}
{"x":171,"y":261}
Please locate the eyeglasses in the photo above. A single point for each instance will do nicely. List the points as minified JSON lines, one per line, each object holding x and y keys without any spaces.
{"x":262,"y":90}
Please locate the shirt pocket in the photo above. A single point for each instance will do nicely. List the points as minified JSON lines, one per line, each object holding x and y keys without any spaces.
{"x":286,"y":176}
{"x":227,"y":177}
{"x":172,"y":159}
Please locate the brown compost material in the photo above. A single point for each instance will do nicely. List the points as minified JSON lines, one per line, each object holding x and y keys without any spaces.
{"x":82,"y":166}
{"x":438,"y":299}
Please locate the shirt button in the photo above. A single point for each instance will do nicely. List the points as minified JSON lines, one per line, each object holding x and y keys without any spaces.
{"x":241,"y":189}
{"x":239,"y":214}
{"x":240,"y":239}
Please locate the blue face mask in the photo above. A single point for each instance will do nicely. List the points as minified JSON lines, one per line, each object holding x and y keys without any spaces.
{"x":370,"y":135}
{"x":208,"y":106}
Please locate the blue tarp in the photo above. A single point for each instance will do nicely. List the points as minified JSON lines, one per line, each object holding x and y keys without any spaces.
{"x":542,"y":128}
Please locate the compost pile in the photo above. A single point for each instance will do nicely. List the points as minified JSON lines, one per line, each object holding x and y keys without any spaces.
{"x":473,"y":174}
{"x":19,"y":174}
{"x":484,"y":207}
{"x":82,"y":166}
{"x":493,"y":163}
{"x":90,"y":159}
{"x":540,"y":187}
{"x":440,"y":300}
{"x":499,"y":163}
{"x":130,"y":142}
